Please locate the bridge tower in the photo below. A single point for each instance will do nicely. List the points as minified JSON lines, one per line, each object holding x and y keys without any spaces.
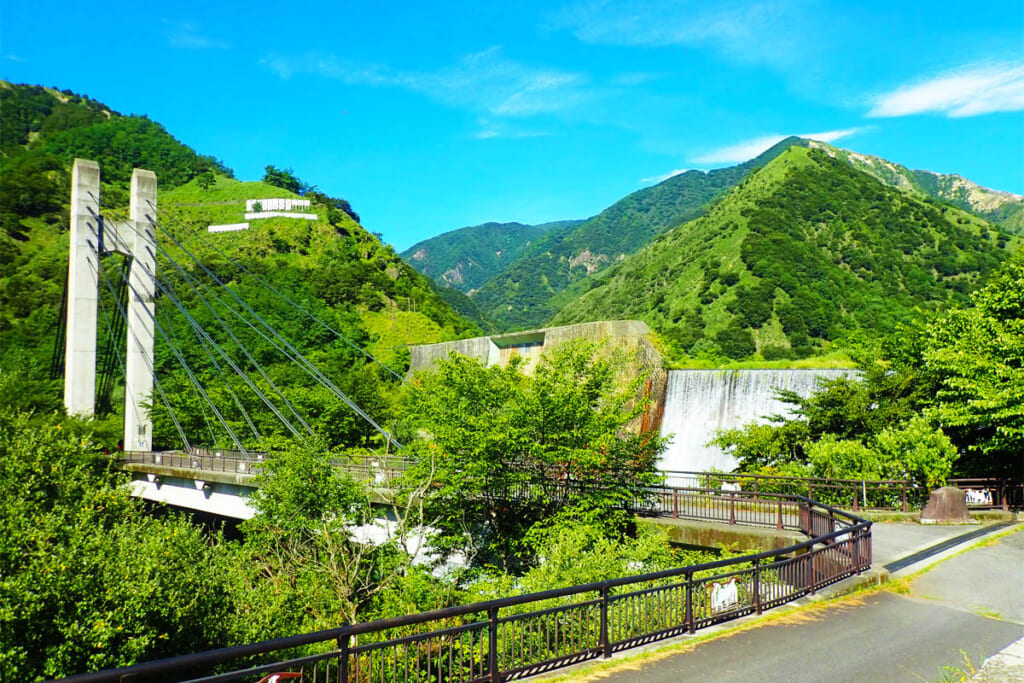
{"x":92,"y":237}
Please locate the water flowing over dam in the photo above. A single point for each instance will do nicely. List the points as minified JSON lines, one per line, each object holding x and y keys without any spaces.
{"x":698,"y":403}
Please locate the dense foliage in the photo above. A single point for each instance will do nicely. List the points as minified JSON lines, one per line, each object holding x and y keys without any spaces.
{"x":803,"y":253}
{"x":508,"y":452}
{"x":87,"y":581}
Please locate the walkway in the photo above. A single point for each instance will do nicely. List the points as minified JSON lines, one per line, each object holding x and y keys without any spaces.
{"x":971,"y":605}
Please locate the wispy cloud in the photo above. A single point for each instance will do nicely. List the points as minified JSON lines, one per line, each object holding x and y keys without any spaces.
{"x":186,"y":35}
{"x":664,"y":176}
{"x":744,"y":30}
{"x":490,"y":129}
{"x":14,"y":58}
{"x":485,"y":81}
{"x":969,"y":91}
{"x":748,"y":149}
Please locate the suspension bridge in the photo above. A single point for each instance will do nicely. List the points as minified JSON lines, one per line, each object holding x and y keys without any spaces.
{"x":203,"y":330}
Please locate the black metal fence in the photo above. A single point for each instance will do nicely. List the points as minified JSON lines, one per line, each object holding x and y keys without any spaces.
{"x":524,"y":635}
{"x":855,"y":494}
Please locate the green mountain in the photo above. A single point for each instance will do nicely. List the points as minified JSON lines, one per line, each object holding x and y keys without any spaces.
{"x":525,"y":294}
{"x":332,"y":266}
{"x":466,"y":258}
{"x":806,"y":251}
{"x":1003,"y":208}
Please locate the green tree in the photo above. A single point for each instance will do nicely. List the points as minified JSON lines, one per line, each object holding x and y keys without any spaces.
{"x":206,"y":180}
{"x":978,"y":355}
{"x":87,"y":581}
{"x":506,"y":451}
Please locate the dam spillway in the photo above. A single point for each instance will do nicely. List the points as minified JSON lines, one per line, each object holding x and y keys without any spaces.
{"x":699,"y":403}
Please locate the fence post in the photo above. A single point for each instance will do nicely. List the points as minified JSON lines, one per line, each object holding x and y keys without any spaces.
{"x":343,"y":659}
{"x":606,"y":648}
{"x":855,"y":503}
{"x":492,"y":645}
{"x":810,"y":570}
{"x":856,"y":550}
{"x":810,"y":490}
{"x":732,"y":508}
{"x":689,"y":603}
{"x":903,"y":488}
{"x":675,"y":502}
{"x":757,"y":585}
{"x":778,"y":524}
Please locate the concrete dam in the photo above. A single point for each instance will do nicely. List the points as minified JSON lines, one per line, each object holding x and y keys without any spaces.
{"x":699,"y":403}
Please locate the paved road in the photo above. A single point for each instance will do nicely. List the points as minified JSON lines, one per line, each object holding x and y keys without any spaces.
{"x":972,"y":602}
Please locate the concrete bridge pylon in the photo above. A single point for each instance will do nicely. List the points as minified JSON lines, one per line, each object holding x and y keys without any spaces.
{"x":92,"y":237}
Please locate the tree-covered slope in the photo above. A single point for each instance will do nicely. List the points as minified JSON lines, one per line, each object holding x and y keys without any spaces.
{"x":330,"y":266}
{"x":523,"y":294}
{"x":1003,"y":208}
{"x":466,"y":258}
{"x":806,"y":251}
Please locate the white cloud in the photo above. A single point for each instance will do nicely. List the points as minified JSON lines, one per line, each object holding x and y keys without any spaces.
{"x":486,"y":81}
{"x":748,"y":149}
{"x":970,"y":91}
{"x":771,"y":31}
{"x":490,"y":129}
{"x":665,"y":176}
{"x":14,"y":58}
{"x":186,"y":35}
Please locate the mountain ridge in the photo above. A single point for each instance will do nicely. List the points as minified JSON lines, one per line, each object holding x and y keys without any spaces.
{"x":805,"y":252}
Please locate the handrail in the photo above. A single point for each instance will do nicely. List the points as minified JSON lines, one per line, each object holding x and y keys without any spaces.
{"x":581,"y":629}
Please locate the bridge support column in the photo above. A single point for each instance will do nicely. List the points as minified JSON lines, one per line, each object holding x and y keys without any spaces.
{"x":83,"y":290}
{"x":138,"y":426}
{"x":92,"y":237}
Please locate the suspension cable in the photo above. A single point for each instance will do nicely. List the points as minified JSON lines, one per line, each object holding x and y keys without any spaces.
{"x":188,"y":371}
{"x":198,"y":235}
{"x":101,"y":275}
{"x":301,"y":359}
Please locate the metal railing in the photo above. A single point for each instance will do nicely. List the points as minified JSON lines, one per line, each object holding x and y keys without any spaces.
{"x":523,"y":635}
{"x":379,"y":470}
{"x":858,"y":494}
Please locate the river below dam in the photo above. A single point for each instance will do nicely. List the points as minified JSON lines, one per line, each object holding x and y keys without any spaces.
{"x":699,"y":403}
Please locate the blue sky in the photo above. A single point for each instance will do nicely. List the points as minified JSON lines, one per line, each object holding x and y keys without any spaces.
{"x":432,"y":116}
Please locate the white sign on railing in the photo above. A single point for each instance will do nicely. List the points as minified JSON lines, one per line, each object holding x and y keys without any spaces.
{"x":724,"y":595}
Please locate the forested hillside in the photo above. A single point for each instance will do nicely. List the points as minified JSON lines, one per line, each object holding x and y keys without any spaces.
{"x":331,"y":266}
{"x":807,"y":251}
{"x":1003,"y":208}
{"x":521,"y":296}
{"x":466,"y":258}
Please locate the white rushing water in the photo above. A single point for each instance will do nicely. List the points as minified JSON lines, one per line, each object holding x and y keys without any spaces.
{"x":698,"y":403}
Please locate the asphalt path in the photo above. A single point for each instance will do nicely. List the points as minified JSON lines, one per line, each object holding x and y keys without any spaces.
{"x":970,"y":605}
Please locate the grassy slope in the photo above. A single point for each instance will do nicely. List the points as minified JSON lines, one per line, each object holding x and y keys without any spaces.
{"x":818,"y":231}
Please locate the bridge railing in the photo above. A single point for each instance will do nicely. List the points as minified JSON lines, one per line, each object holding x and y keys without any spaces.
{"x":858,"y":494}
{"x":523,"y":635}
{"x":380,"y":470}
